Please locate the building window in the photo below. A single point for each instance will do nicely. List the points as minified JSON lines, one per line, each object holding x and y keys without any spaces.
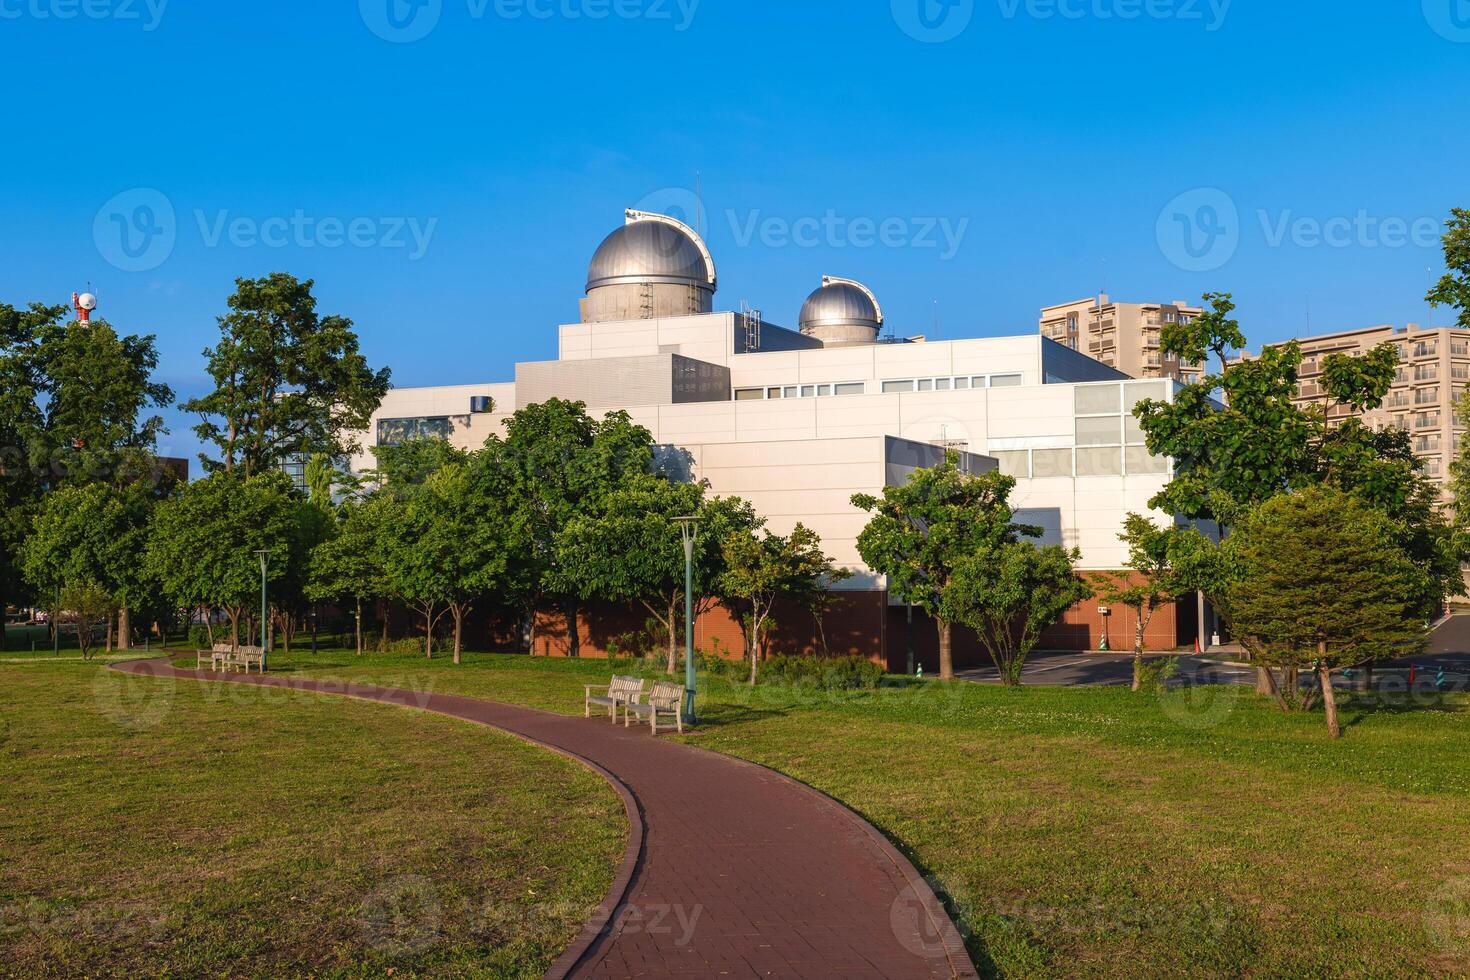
{"x":1051,"y":462}
{"x":1015,"y":463}
{"x":1096,"y":461}
{"x":849,"y":388}
{"x":1005,"y":381}
{"x":395,"y":432}
{"x":1103,"y":431}
{"x":889,"y":387}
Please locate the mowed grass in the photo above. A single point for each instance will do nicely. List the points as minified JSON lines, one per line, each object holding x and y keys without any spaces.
{"x":150,"y":827}
{"x":1094,"y":832}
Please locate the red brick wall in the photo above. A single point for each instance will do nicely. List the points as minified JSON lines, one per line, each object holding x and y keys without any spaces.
{"x":854,"y":626}
{"x":859,"y":624}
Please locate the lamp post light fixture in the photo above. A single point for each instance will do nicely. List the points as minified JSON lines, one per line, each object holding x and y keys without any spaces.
{"x":265,"y":564}
{"x":689,"y":531}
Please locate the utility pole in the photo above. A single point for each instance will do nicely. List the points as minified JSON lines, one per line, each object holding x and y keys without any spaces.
{"x":689,"y":530}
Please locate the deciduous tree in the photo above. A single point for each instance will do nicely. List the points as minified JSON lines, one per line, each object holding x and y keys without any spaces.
{"x":1150,"y":582}
{"x":1009,"y":591}
{"x":762,"y":568}
{"x":287,"y":380}
{"x":922,"y":530}
{"x":203,"y":543}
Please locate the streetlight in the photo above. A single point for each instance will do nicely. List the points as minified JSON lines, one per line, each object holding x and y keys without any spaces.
{"x":689,"y":531}
{"x":265,"y":564}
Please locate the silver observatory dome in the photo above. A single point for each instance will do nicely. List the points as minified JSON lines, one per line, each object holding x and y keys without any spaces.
{"x":842,"y":311}
{"x":652,"y":266}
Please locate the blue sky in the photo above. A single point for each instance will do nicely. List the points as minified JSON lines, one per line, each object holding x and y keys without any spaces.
{"x":971,"y":160}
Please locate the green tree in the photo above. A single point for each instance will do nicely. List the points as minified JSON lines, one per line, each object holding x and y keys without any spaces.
{"x":1453,"y":288}
{"x":921,"y":531}
{"x":448,"y":543}
{"x":633,"y":550}
{"x":287,"y":380}
{"x":74,"y":400}
{"x":89,"y":606}
{"x":1230,"y":458}
{"x":563,"y":464}
{"x":203,"y":543}
{"x":349,"y":563}
{"x":762,"y":568}
{"x":93,"y":534}
{"x":1151,"y":582}
{"x":1323,"y":584}
{"x":1212,"y":332}
{"x":1008,"y":592}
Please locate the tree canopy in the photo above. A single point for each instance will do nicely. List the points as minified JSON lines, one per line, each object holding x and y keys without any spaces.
{"x":922,"y":530}
{"x":1322,"y":583}
{"x":287,"y":380}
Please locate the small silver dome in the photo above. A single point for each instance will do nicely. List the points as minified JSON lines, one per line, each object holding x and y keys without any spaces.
{"x":651,"y":248}
{"x":840,"y":303}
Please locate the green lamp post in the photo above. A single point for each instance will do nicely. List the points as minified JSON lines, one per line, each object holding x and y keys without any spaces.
{"x":265,"y":564}
{"x":689,"y":530}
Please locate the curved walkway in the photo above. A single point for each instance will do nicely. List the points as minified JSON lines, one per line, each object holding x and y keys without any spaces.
{"x":732,"y":869}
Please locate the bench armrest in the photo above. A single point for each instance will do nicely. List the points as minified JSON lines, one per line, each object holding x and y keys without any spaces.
{"x":597,"y":687}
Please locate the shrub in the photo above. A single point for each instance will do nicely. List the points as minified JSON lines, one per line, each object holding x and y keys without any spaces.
{"x":834,"y":673}
{"x":199,"y":637}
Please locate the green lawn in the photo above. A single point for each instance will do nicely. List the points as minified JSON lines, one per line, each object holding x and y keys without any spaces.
{"x":1093,"y":832}
{"x":151,"y":827}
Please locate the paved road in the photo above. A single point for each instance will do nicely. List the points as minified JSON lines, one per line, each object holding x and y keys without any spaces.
{"x":732,"y":869}
{"x":1448,"y":650}
{"x":1103,"y":670}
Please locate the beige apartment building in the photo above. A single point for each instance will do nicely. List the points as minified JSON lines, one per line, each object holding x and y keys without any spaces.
{"x":1124,"y":336}
{"x":1433,"y":371}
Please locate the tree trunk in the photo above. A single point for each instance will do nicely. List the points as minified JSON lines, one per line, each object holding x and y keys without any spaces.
{"x":1329,"y":699}
{"x":357,"y":627}
{"x":124,"y":628}
{"x":574,"y":641}
{"x":108,"y":617}
{"x":458,"y":612}
{"x":234,"y":615}
{"x":428,"y":632}
{"x":673,"y":646}
{"x":531,"y":629}
{"x":946,"y":656}
{"x":1138,"y":654}
{"x":755,"y":648}
{"x":383,"y":641}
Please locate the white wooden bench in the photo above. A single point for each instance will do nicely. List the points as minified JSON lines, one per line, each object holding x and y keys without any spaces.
{"x":212,"y":659}
{"x":666,"y":699}
{"x":246,"y":657}
{"x":621,"y":691}
{"x":224,"y":657}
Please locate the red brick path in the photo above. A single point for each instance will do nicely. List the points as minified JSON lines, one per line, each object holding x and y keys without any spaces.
{"x":732,"y":870}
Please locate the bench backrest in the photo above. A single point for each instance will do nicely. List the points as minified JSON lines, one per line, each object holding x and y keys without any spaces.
{"x":622,"y":684}
{"x":666,"y":694}
{"x":223,"y":648}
